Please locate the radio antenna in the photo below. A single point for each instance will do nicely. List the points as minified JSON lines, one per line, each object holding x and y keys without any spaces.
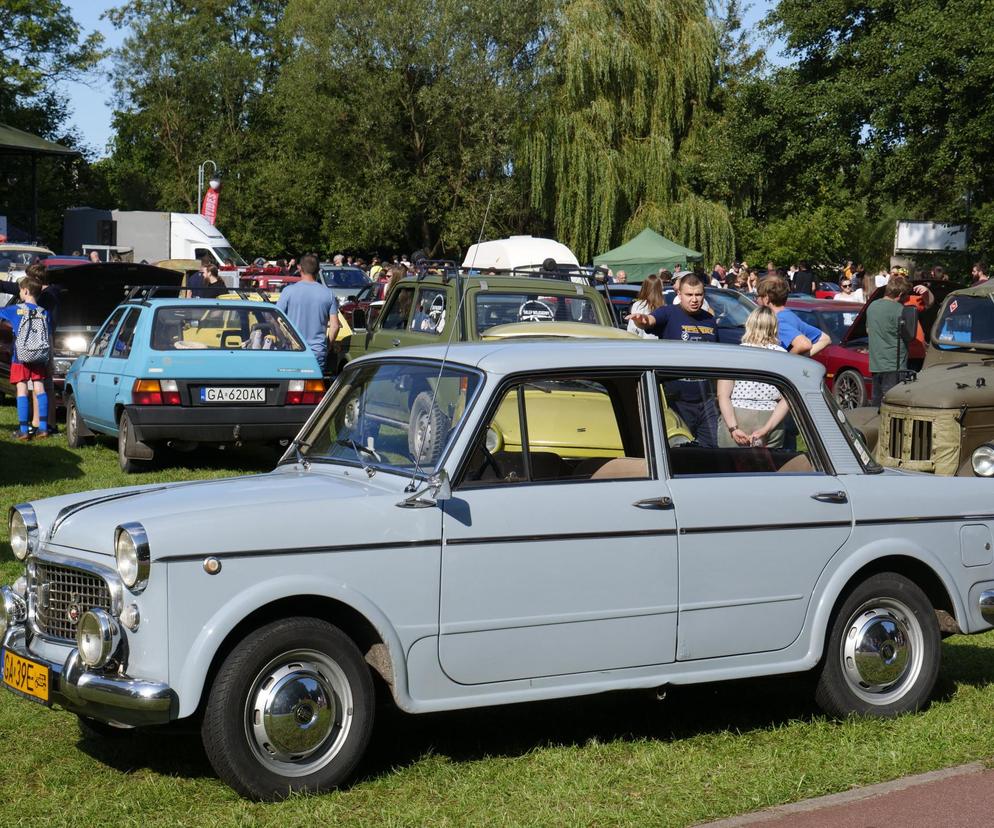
{"x":412,"y":486}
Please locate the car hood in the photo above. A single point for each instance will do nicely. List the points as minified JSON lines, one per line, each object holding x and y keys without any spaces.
{"x":946,"y":386}
{"x":285,"y":509}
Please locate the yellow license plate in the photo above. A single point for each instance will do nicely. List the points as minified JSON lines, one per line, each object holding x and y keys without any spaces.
{"x":25,"y":676}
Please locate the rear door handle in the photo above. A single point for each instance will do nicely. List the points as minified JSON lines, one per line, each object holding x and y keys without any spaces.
{"x":654,"y":503}
{"x":396,"y":343}
{"x":93,"y":377}
{"x":116,"y":380}
{"x":830,"y":497}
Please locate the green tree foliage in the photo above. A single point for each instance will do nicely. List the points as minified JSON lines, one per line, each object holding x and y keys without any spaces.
{"x":623,"y":79}
{"x":41,"y":46}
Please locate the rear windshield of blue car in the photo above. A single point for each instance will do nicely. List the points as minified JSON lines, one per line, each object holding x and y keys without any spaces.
{"x":200,"y":328}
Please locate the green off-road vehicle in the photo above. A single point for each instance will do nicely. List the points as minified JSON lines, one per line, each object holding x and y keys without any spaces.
{"x":943,"y":421}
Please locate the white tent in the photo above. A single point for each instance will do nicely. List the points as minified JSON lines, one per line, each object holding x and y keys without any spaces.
{"x":517,"y":251}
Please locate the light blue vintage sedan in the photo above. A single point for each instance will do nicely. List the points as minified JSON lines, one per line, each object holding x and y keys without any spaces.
{"x":403,"y":541}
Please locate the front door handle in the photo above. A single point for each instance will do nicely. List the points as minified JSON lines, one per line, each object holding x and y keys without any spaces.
{"x":93,"y":377}
{"x":654,"y":503}
{"x":396,"y":343}
{"x":116,"y":380}
{"x":830,"y":497}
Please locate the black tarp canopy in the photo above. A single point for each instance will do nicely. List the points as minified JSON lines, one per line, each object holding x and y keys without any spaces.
{"x":18,"y":142}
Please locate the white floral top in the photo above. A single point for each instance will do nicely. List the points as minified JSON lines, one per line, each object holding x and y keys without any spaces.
{"x":756,"y":396}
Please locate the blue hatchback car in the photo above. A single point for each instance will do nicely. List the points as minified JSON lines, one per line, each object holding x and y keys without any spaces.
{"x":189,"y":371}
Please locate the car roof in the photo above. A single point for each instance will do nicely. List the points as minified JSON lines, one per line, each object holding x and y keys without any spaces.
{"x":512,"y":356}
{"x":212,"y":302}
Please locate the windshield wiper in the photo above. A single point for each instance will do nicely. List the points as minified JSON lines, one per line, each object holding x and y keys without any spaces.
{"x":359,"y":450}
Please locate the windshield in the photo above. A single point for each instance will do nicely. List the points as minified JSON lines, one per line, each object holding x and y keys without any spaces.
{"x":344,"y":277}
{"x":505,"y":308}
{"x":833,"y":322}
{"x":196,"y":327}
{"x":967,"y":321}
{"x":226,"y":254}
{"x":396,"y":416}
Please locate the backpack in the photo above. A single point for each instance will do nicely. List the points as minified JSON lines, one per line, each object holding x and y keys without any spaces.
{"x":32,"y":344}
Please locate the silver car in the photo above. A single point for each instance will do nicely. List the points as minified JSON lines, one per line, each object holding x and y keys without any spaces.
{"x":498,"y":523}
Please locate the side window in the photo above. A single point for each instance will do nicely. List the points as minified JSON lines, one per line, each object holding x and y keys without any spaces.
{"x":735,"y":424}
{"x":101,"y":342}
{"x":126,"y":335}
{"x":555,"y":429}
{"x":400,"y":309}
{"x":429,"y":315}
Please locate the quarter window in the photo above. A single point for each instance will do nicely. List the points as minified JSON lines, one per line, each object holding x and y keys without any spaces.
{"x":553,"y":429}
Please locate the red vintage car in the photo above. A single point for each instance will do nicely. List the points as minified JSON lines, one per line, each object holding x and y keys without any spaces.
{"x":362,"y":308}
{"x":847,"y":359}
{"x":269,"y":279}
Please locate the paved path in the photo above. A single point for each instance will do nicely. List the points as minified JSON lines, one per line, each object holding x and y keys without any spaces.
{"x":960,"y":797}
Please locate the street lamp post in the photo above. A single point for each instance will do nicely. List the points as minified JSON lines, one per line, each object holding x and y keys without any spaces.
{"x":214,"y":183}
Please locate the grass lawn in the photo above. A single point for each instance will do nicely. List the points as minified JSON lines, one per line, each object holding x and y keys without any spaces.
{"x":619,"y":759}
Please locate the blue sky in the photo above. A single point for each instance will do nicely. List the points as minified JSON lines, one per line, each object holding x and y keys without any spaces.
{"x":92,"y":102}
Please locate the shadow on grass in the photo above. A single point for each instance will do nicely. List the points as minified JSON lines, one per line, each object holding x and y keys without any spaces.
{"x":37,"y":462}
{"x":401,"y":740}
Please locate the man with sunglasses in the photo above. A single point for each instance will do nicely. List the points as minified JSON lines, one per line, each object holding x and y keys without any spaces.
{"x":847,"y":294}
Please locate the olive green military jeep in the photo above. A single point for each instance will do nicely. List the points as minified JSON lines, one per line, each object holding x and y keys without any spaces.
{"x":943,"y":421}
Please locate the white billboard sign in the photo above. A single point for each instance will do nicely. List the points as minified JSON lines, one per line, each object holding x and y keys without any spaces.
{"x":929,"y":237}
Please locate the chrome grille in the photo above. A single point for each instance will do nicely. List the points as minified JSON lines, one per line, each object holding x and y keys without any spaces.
{"x":61,"y":591}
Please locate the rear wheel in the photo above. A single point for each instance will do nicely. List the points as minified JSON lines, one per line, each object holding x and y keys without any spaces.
{"x":849,"y":389}
{"x":883,"y":650}
{"x":125,"y":444}
{"x":73,"y":424}
{"x":291,"y":710}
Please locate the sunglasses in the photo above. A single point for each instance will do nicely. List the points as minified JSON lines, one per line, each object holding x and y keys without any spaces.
{"x":846,"y":284}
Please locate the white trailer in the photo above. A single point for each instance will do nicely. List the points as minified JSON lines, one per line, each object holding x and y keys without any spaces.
{"x":150,"y":236}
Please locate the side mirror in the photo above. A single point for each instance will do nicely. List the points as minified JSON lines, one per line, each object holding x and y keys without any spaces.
{"x":437,"y":490}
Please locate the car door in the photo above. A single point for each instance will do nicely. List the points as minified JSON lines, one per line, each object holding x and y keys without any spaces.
{"x":112,"y":381}
{"x":90,"y":370}
{"x":559,"y":550}
{"x":758,"y":523}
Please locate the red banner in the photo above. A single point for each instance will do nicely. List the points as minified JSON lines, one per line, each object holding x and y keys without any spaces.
{"x":209,"y":208}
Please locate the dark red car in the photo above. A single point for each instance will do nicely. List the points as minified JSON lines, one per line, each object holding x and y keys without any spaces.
{"x":847,"y":359}
{"x":269,"y":279}
{"x":363,"y":307}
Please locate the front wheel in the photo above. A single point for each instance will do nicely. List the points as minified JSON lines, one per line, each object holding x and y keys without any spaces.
{"x":291,"y":710}
{"x":849,"y":389}
{"x":883,"y":651}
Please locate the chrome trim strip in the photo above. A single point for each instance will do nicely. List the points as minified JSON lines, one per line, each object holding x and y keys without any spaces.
{"x":571,"y":536}
{"x":308,"y":550}
{"x":765,"y":527}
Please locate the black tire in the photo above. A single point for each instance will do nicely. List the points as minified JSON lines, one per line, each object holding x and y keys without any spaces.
{"x":257,"y":742}
{"x":73,"y":438}
{"x":427,"y":431}
{"x":125,"y":435}
{"x":883,"y":650}
{"x":849,"y":389}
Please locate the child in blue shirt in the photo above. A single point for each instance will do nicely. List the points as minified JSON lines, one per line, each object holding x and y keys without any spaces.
{"x":24,"y":375}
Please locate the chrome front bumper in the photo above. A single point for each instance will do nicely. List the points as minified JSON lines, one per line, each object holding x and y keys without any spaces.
{"x":108,"y":697}
{"x":986,"y":602}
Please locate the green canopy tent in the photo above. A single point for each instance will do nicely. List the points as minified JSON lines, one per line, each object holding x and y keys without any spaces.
{"x":17,"y":142}
{"x":646,"y":254}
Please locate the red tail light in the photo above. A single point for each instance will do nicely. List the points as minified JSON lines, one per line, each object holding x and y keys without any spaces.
{"x":155,"y":392}
{"x":304,"y":392}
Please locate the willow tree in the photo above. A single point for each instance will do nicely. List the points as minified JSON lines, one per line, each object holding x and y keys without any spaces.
{"x":623,"y":78}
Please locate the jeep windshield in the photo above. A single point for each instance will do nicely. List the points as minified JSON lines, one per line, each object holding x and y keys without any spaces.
{"x":493,"y":309}
{"x":396,"y":416}
{"x":966,"y":322}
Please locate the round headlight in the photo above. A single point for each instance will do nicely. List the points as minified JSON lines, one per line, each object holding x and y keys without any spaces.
{"x":983,"y":460}
{"x":132,"y":555}
{"x":97,"y":638}
{"x":494,"y":441}
{"x":23,"y":527}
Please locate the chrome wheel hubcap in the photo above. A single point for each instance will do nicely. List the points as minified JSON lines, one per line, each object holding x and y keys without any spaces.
{"x":298,"y":712}
{"x":882,"y":651}
{"x":847,"y":391}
